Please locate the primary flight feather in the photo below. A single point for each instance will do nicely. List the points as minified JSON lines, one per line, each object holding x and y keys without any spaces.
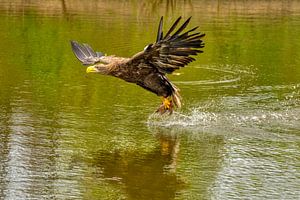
{"x":149,"y":67}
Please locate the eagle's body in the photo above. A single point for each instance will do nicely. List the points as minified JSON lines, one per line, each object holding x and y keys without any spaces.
{"x":149,"y":67}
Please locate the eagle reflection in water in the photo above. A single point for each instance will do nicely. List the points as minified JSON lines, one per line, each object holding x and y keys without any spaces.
{"x":145,"y":175}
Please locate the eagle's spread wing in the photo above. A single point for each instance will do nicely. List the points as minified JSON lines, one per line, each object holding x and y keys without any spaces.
{"x":173,"y":50}
{"x":85,"y":53}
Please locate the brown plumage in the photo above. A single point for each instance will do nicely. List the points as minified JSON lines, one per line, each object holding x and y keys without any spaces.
{"x":149,"y":67}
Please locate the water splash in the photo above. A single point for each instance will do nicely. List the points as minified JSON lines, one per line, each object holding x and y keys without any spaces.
{"x":247,"y":115}
{"x":261,"y":124}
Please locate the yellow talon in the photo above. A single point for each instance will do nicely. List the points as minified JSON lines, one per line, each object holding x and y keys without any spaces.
{"x":167,"y":103}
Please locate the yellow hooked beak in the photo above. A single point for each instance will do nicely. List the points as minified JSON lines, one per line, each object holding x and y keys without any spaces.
{"x":91,"y":69}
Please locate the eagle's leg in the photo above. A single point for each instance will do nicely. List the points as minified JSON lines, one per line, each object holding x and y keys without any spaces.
{"x":167,"y":105}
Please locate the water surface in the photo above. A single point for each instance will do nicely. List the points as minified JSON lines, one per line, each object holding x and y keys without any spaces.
{"x":69,"y":135}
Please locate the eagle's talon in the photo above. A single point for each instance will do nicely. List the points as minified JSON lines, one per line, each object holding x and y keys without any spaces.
{"x":166,"y":106}
{"x":167,"y":103}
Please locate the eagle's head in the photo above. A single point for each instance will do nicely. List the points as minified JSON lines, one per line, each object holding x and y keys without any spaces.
{"x":99,"y":68}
